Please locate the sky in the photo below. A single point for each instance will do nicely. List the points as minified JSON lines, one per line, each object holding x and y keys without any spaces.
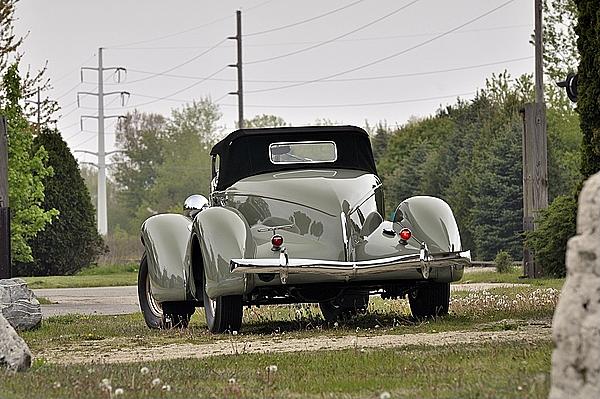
{"x":346,"y":61}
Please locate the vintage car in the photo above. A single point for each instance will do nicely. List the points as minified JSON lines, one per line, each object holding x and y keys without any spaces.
{"x":296,"y":215}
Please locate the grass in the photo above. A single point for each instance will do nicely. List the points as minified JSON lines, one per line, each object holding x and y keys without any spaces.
{"x":491,"y":310}
{"x":79,"y":281}
{"x":515,"y":276}
{"x":507,"y":370}
{"x":484,"y":370}
{"x":97,"y":276}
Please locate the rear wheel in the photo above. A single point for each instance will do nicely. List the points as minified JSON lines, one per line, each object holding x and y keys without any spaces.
{"x":344,"y":307}
{"x":156,"y":314}
{"x":430,"y":300}
{"x":151,"y":309}
{"x":223,"y":313}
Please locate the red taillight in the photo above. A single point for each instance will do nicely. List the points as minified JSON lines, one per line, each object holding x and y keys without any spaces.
{"x":405,"y":234}
{"x":277,"y":241}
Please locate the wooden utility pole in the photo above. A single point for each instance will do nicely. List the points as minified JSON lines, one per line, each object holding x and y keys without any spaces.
{"x":238,"y":65}
{"x":535,"y":150}
{"x":5,"y":263}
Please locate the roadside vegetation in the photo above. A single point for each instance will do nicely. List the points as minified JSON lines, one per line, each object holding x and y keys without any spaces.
{"x":97,"y":276}
{"x":493,"y":310}
{"x":479,"y":368}
{"x":513,"y":370}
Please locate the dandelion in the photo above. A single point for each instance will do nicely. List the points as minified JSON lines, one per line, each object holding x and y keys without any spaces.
{"x":385,"y":395}
{"x":105,"y":381}
{"x":272,"y":368}
{"x":335,"y":324}
{"x":232,"y":381}
{"x":56,"y":385}
{"x":144,"y":370}
{"x":155,"y":381}
{"x":119,"y":391}
{"x":166,"y":387}
{"x":234,"y":333}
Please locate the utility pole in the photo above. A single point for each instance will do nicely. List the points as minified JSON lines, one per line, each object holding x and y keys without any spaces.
{"x":238,"y":65}
{"x":5,"y":262}
{"x":101,"y":154}
{"x":38,"y":103}
{"x":535,"y":151}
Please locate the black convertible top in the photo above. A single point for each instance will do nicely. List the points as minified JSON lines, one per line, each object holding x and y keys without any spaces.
{"x":245,"y":152}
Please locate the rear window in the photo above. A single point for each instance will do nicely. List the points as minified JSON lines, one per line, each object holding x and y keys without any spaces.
{"x":302,"y":152}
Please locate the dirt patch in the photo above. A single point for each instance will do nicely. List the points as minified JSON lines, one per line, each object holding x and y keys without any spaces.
{"x":106,"y":352}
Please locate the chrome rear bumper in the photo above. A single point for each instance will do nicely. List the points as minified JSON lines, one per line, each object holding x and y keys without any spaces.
{"x":285,"y":266}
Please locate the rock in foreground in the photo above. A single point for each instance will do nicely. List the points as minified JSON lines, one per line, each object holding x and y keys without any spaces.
{"x":19,"y":305}
{"x":576,"y":326}
{"x":14,"y":352}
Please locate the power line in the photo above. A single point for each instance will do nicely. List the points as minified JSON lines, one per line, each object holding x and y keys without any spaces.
{"x":305,"y":20}
{"x":402,"y":75}
{"x":177,"y":92}
{"x":73,"y":70}
{"x":180,"y":65}
{"x":335,"y":38}
{"x":360,"y":39}
{"x":356,"y":104}
{"x":223,"y":18}
{"x":421,"y":44}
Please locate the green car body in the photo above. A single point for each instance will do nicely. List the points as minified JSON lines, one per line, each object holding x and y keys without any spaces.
{"x":336,"y":242}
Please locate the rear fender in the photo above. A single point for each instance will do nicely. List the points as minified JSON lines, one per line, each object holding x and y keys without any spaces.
{"x":431,"y":221}
{"x":167,"y":241}
{"x":224,"y":234}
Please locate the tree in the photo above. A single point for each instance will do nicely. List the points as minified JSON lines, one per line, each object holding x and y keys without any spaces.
{"x":264,"y":120}
{"x":26,"y":171}
{"x":141,"y":137}
{"x":71,"y":242}
{"x":30,"y":81}
{"x":588,"y":43}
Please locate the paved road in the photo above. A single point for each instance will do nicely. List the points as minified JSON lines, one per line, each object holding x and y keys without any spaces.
{"x":123,"y":300}
{"x":98,"y":300}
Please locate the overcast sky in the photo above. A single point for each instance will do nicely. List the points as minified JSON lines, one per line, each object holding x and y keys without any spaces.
{"x":344,"y":60}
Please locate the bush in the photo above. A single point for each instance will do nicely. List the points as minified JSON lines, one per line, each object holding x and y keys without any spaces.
{"x":555,"y":226}
{"x":71,"y":242}
{"x":503,"y":262}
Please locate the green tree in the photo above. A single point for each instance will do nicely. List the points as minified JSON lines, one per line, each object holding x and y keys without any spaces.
{"x":26,"y":171}
{"x":588,"y":43}
{"x":185,"y":170}
{"x":31,"y":80}
{"x":264,"y":120}
{"x":141,"y":138}
{"x":71,"y":242}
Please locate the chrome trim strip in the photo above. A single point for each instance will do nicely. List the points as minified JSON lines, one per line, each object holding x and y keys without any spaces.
{"x":350,"y":269}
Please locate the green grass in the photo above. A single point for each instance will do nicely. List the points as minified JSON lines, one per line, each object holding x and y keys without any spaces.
{"x":514,"y":369}
{"x":492,"y":310}
{"x":78,"y":281}
{"x":109,"y":269}
{"x":514,"y":277}
{"x":507,"y":370}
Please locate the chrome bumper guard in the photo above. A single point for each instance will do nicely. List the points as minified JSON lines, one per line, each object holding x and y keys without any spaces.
{"x":284,"y":266}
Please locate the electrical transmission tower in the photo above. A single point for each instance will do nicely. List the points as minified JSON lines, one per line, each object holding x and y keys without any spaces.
{"x":101,"y":154}
{"x":240,"y":92}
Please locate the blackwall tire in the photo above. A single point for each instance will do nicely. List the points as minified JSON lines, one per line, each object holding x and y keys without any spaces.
{"x":224,"y":313}
{"x":151,"y":309}
{"x":344,"y":307}
{"x":430,"y":300}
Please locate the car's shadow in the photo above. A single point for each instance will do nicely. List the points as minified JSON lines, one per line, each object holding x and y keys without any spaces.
{"x":366,"y":322}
